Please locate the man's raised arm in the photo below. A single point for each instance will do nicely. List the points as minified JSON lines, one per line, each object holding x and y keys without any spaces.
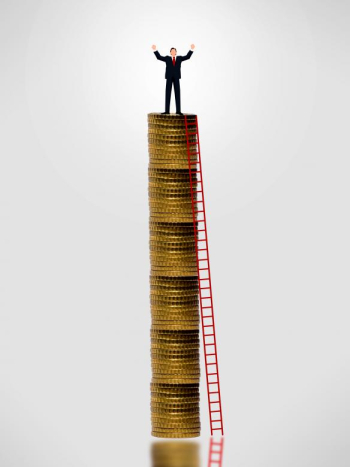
{"x":157,"y":54}
{"x":189,"y":53}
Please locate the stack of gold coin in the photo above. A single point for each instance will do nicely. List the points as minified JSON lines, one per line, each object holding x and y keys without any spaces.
{"x":173,"y":281}
{"x":172,"y":249}
{"x":170,"y":194}
{"x":175,"y":454}
{"x":175,"y":409}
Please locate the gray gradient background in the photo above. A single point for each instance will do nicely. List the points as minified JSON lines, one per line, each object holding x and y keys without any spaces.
{"x":269,"y":81}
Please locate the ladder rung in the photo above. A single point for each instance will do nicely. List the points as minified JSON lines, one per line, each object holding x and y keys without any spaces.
{"x":192,"y":133}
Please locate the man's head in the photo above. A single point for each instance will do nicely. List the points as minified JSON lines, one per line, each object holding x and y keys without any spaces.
{"x":173,"y":52}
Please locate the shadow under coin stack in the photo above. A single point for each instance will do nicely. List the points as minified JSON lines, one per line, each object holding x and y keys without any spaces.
{"x":173,"y":281}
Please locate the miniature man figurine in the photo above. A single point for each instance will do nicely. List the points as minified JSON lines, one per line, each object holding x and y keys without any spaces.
{"x":173,"y":75}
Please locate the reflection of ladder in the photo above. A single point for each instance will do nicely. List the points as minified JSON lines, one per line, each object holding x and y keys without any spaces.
{"x":216,"y":449}
{"x":204,"y":277}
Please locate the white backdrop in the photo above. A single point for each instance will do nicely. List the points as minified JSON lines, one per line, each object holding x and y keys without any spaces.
{"x":269,"y":81}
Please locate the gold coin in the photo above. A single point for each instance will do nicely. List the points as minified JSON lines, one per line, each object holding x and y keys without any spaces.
{"x":181,"y":362}
{"x":181,"y":424}
{"x":155,"y":397}
{"x":171,"y":315}
{"x":175,"y":392}
{"x":180,"y":412}
{"x":174,"y":334}
{"x":194,"y":347}
{"x":174,"y":321}
{"x":165,"y":152}
{"x":181,"y":325}
{"x":177,"y":378}
{"x":176,"y":353}
{"x":178,"y":164}
{"x":190,"y":417}
{"x":175,"y":342}
{"x":175,"y":345}
{"x":182,"y":419}
{"x":169,"y":184}
{"x":175,"y":308}
{"x":190,"y":289}
{"x":185,"y":371}
{"x":174,"y":435}
{"x":171,"y":225}
{"x":179,"y":400}
{"x":188,"y":396}
{"x":170,"y":246}
{"x":172,"y":318}
{"x":179,"y":292}
{"x":176,"y":432}
{"x":189,"y":365}
{"x":170,"y":204}
{"x":177,"y":427}
{"x":162,"y":251}
{"x":173,"y":300}
{"x":168,"y":373}
{"x":173,"y":177}
{"x":175,"y":324}
{"x":191,"y":311}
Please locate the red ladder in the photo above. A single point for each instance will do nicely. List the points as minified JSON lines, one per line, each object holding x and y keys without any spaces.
{"x":216,"y":449}
{"x":204,"y":279}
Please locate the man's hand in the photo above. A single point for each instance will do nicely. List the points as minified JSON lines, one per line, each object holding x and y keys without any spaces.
{"x":192,"y":46}
{"x":154,"y":47}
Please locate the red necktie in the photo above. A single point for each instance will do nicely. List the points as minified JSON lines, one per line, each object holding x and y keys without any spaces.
{"x":174,"y":61}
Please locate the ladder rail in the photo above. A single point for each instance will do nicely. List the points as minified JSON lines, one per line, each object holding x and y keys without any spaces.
{"x":211,"y":307}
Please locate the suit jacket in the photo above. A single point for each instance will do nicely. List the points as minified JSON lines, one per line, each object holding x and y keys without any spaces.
{"x":171,"y":70}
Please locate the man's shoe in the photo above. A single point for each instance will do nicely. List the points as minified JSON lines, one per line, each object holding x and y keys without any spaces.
{"x":179,"y":113}
{"x":167,"y":113}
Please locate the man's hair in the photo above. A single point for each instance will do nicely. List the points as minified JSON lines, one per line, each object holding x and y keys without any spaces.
{"x":172,"y":49}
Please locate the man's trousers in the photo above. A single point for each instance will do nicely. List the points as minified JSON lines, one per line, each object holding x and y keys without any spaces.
{"x":169,"y":83}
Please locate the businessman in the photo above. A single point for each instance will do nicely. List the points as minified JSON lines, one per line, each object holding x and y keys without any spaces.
{"x":172,"y":75}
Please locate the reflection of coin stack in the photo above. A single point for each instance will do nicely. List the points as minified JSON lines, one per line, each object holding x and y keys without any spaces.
{"x":175,"y":454}
{"x":173,"y":281}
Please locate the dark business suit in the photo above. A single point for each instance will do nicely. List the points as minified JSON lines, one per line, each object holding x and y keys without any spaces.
{"x":173,"y":75}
